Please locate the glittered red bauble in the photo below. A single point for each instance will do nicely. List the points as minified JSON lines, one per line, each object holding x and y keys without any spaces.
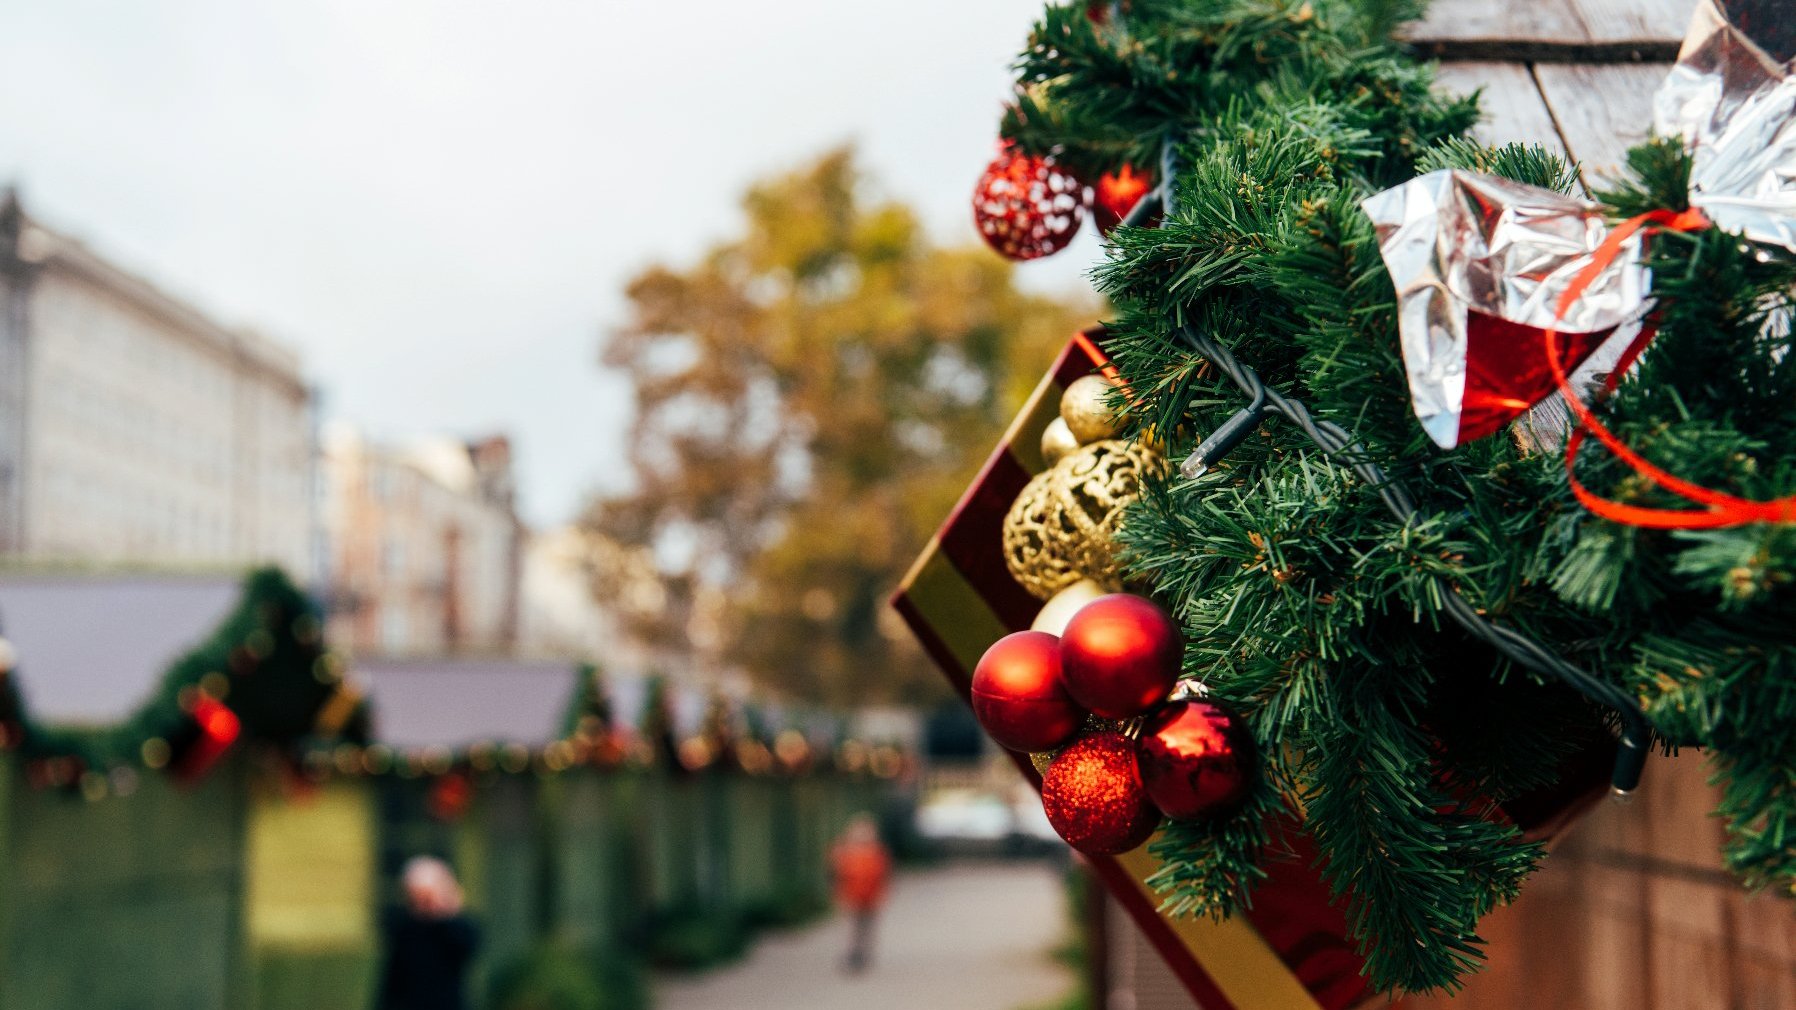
{"x":1093,"y":796}
{"x":1197,"y":759}
{"x":1019,"y":696}
{"x":1027,"y":208}
{"x":1120,"y":655}
{"x":1116,"y":193}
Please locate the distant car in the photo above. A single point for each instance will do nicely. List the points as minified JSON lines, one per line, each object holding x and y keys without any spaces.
{"x":1032,"y":821}
{"x":963,"y":815}
{"x":972,"y":822}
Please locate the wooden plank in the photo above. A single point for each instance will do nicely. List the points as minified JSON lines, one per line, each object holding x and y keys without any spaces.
{"x":1514,"y":111}
{"x":1526,"y":21}
{"x":1602,"y":111}
{"x":1602,"y":31}
{"x":1765,"y":944}
{"x":1634,"y":19}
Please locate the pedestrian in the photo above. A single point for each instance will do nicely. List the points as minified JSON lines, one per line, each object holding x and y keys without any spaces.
{"x":429,"y":942}
{"x":863,"y":871}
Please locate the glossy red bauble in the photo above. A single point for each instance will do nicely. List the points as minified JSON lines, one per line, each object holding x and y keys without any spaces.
{"x":1027,"y":208}
{"x":1120,"y":655}
{"x":1117,"y":193}
{"x":1094,"y":798}
{"x":1197,"y":759}
{"x":1018,"y":694}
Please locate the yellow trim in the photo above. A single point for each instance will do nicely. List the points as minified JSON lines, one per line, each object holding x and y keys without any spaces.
{"x":953,"y":609}
{"x":1232,"y":953}
{"x":1024,"y":437}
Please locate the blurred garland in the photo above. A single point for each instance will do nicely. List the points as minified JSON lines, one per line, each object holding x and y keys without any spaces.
{"x":266,"y":677}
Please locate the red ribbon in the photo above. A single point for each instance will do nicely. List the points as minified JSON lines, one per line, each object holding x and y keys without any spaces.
{"x":1719,"y":509}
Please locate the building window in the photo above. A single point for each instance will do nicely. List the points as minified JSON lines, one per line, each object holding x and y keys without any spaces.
{"x":392,"y":557}
{"x":393,"y":631}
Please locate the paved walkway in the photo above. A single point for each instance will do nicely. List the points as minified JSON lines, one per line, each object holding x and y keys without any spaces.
{"x":963,"y":937}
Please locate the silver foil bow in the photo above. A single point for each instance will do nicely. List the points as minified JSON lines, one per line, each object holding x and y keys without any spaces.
{"x":1479,"y":264}
{"x":1734,"y":103}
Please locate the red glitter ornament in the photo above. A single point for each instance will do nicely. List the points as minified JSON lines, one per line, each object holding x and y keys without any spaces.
{"x":1093,"y":796}
{"x":1120,"y":655}
{"x":1018,"y":694}
{"x":1117,"y":193}
{"x":1196,"y":758}
{"x":1025,"y":207}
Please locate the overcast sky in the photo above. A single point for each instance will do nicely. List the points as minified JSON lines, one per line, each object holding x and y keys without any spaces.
{"x":438,"y":201}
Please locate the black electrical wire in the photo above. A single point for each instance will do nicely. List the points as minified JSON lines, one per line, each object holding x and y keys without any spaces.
{"x":1337,"y":442}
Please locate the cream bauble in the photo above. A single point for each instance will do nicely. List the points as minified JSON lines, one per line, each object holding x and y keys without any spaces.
{"x":1059,"y":610}
{"x":1056,"y":441}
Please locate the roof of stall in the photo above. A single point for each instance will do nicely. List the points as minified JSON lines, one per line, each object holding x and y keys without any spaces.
{"x":92,"y":647}
{"x":455,"y":702}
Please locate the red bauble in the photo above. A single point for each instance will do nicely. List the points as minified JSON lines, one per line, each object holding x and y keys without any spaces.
{"x":1116,"y":194}
{"x":1120,"y":655}
{"x":1019,"y":696}
{"x":1093,"y":796}
{"x":1197,"y":759}
{"x":1025,"y":207}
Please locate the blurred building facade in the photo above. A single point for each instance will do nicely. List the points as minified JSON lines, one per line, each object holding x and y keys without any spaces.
{"x":561,"y":615}
{"x":135,"y":429}
{"x":426,"y":547}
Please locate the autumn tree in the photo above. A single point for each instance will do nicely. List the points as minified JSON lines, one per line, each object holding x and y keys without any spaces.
{"x":811,"y":398}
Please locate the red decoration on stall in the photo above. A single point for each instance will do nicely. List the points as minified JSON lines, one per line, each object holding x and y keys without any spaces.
{"x":1019,"y":696}
{"x":1025,"y":207}
{"x":1197,"y":759}
{"x":1120,"y":655}
{"x":450,"y":796}
{"x":218,"y":728}
{"x":1094,"y":798}
{"x":1117,"y":193}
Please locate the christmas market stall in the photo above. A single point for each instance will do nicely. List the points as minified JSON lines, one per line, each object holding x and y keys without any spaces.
{"x":136,"y":712}
{"x":1421,"y":487}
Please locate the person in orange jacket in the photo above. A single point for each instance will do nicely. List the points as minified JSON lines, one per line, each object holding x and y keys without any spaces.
{"x":863,"y":872}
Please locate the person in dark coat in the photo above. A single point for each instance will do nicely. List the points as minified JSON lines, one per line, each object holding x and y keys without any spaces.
{"x":430,"y":942}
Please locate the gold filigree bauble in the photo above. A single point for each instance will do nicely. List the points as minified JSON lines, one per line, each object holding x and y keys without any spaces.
{"x":1091,"y":488}
{"x":1061,"y":528}
{"x":1037,"y":547}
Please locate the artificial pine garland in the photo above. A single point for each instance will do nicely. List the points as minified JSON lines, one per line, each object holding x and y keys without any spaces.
{"x":1308,"y":606}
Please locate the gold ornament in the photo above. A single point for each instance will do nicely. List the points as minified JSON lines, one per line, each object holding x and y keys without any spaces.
{"x":1061,"y":528}
{"x":1038,"y":548}
{"x":1056,"y":441}
{"x":1093,"y":724}
{"x":1059,"y":610}
{"x":1086,"y":410}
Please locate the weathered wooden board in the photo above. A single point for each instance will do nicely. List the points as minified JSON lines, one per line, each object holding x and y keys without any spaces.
{"x":1601,"y":110}
{"x":1633,"y":910}
{"x":1553,"y":30}
{"x":1514,"y":111}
